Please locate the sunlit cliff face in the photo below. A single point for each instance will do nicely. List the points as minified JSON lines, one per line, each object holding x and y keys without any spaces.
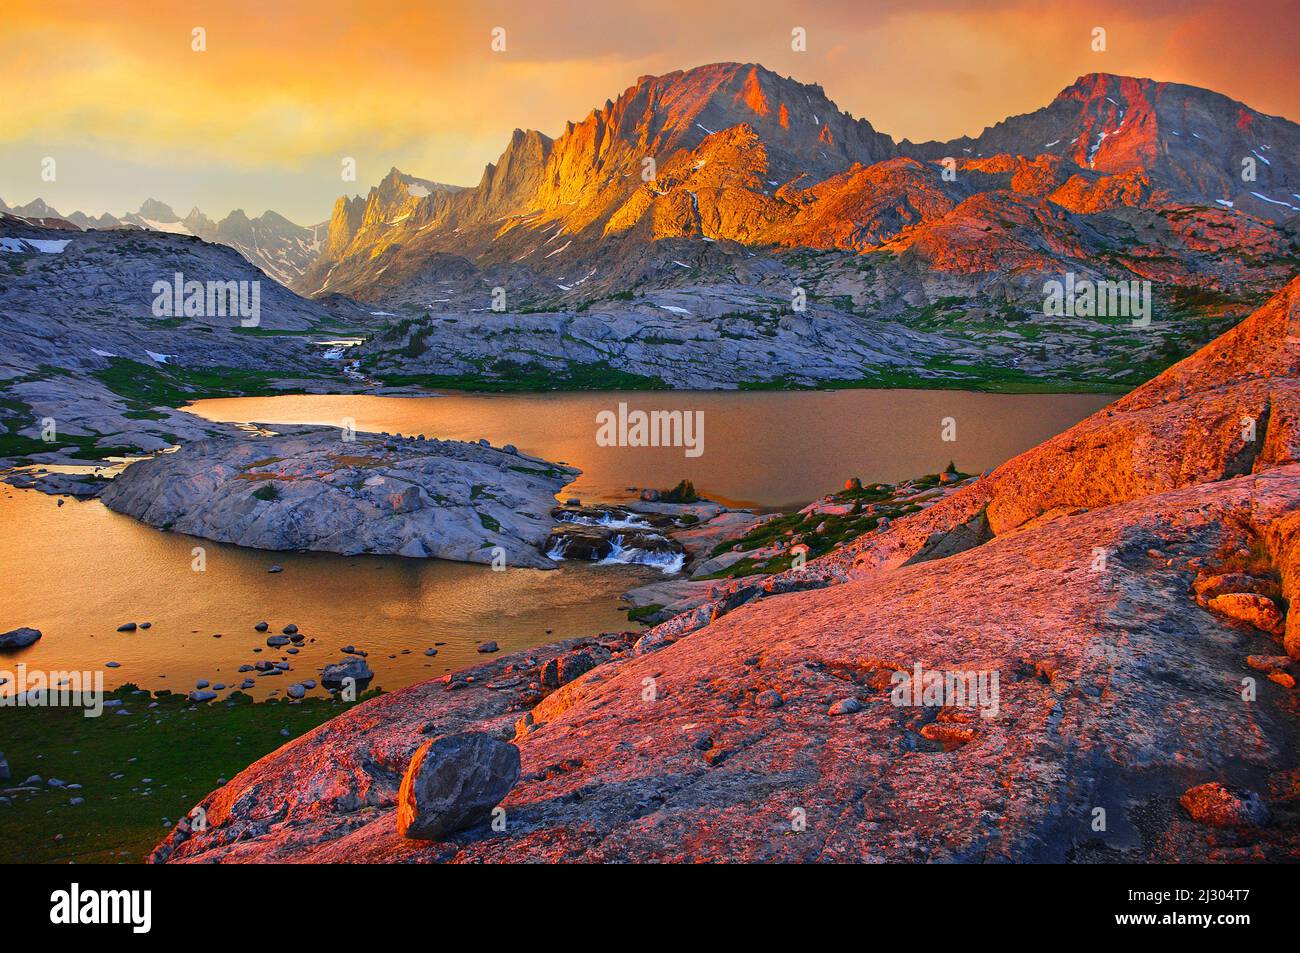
{"x":263,"y":113}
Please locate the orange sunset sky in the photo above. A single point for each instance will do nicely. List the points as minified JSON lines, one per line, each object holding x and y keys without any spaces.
{"x":113,"y":91}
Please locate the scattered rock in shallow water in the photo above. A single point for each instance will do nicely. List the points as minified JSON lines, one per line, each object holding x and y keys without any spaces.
{"x":261,"y":627}
{"x":201,"y":683}
{"x":430,"y":652}
{"x":1219,"y":806}
{"x":112,"y":665}
{"x":296,"y":691}
{"x":353,"y":668}
{"x":126,"y":627}
{"x":290,"y":629}
{"x":453,"y":782}
{"x":202,"y":696}
{"x":488,"y":647}
{"x":275,"y":569}
{"x":275,"y":641}
{"x":18,"y":638}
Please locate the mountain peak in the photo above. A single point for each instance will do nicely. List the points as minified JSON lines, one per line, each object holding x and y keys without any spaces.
{"x":157,"y":211}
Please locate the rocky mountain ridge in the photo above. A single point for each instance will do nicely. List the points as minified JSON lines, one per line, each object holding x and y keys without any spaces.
{"x":741,"y":154}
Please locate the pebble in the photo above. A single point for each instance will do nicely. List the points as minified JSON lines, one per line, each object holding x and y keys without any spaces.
{"x":845,"y":706}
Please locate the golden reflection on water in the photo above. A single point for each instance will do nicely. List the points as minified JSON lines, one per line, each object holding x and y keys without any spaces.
{"x":770,"y":449}
{"x":78,"y":571}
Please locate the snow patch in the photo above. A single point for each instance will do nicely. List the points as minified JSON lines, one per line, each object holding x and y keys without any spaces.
{"x":49,"y":246}
{"x":1265,"y":198}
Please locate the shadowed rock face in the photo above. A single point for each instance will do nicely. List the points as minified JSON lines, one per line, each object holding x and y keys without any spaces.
{"x":307,"y":488}
{"x":1114,"y":689}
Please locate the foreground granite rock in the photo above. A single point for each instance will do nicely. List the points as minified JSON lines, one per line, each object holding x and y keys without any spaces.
{"x":1101,"y":691}
{"x":306,"y":488}
{"x":453,"y":782}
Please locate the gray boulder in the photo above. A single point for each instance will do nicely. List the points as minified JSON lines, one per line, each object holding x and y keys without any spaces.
{"x":453,"y":782}
{"x":18,"y":638}
{"x":353,"y":668}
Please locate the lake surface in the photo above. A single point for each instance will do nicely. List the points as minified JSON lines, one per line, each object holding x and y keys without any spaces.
{"x":77,"y":571}
{"x":768,"y":449}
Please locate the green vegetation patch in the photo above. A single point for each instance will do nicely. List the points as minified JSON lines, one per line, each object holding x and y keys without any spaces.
{"x":181,"y":748}
{"x":146,"y":386}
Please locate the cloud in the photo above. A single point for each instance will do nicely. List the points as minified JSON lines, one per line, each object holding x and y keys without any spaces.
{"x":293,"y":86}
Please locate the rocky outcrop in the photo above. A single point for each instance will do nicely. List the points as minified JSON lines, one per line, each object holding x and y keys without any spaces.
{"x":318,"y":489}
{"x":1083,"y":693}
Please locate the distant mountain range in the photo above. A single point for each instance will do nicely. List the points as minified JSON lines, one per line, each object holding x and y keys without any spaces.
{"x":279,"y":247}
